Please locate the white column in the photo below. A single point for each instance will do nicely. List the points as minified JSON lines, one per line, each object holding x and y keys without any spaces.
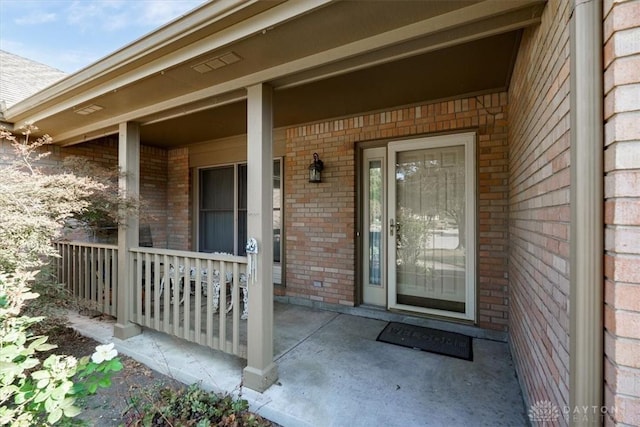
{"x":129,"y":184}
{"x":261,"y":371}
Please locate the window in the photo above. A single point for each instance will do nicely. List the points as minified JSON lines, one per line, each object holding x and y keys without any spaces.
{"x":223,"y":209}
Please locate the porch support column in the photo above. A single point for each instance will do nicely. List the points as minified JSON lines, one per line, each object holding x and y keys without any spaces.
{"x":129,"y":184}
{"x":587,"y":201}
{"x":261,"y":370}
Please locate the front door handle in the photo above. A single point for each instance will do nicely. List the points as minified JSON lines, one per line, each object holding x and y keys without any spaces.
{"x":392,"y":226}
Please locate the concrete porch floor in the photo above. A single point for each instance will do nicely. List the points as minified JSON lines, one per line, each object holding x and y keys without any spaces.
{"x":333,"y":372}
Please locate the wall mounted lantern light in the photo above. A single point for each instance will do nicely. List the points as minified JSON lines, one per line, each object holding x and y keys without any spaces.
{"x":315,"y":168}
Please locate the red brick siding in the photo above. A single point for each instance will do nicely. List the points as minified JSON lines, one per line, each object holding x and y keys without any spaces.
{"x":622,"y":211}
{"x":178,"y":206}
{"x":320,"y":218}
{"x":539,"y":180}
{"x":153,"y":192}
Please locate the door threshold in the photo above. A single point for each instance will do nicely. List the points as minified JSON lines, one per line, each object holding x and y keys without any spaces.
{"x":427,"y":321}
{"x":381,"y":313}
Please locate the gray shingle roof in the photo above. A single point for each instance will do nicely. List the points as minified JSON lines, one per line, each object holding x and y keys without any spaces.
{"x":21,"y":77}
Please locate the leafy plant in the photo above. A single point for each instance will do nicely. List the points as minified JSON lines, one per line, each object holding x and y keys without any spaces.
{"x":190,"y":406}
{"x":35,"y":206}
{"x":45,"y":396}
{"x":107,"y":208}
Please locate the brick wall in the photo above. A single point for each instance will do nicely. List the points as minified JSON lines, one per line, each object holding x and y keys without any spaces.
{"x":320,"y":218}
{"x":153,"y":192}
{"x":178,"y":206}
{"x":539,"y":157}
{"x":622,"y":210}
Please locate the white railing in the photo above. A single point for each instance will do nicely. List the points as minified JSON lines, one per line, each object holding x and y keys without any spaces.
{"x":90,"y":273}
{"x":196,"y":296}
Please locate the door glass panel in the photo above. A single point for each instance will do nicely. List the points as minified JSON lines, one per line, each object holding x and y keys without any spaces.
{"x":430,"y":228}
{"x":375,"y":222}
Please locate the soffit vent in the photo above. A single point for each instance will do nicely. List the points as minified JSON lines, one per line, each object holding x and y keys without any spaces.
{"x":217,"y":62}
{"x":89,"y":109}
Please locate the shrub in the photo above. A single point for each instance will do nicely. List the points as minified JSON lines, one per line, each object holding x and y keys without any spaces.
{"x":35,"y":207}
{"x":190,"y":406}
{"x":41,"y":394}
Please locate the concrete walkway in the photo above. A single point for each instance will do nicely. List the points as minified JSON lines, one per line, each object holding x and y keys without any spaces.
{"x":333,"y":372}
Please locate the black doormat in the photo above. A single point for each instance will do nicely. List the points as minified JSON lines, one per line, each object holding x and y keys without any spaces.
{"x":428,"y":339}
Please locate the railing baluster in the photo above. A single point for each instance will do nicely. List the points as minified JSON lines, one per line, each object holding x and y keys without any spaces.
{"x":166,"y":291}
{"x":197,"y":304}
{"x":76,"y":288}
{"x":106,"y":282}
{"x":222,"y":307}
{"x":85,"y":274}
{"x":186,"y":331}
{"x":209,"y":303}
{"x":148,"y":289}
{"x":174,"y":283}
{"x":156,"y":291}
{"x":114,"y":283}
{"x":235,"y":298}
{"x":100,"y":281}
{"x":137,"y":286}
{"x":93,"y":284}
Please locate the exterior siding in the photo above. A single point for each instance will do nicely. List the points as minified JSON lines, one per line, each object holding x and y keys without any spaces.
{"x":178,"y":205}
{"x":153,"y":192}
{"x":321,"y":218}
{"x":622,"y":211}
{"x":539,"y":208}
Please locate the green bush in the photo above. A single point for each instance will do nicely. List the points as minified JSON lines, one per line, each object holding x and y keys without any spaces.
{"x":32,"y":393}
{"x":35,"y":207}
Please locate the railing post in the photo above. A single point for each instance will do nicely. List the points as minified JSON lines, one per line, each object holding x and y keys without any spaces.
{"x":261,"y":371}
{"x":129,"y":183}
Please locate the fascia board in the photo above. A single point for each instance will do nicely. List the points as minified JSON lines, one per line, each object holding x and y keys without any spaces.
{"x":163,"y":37}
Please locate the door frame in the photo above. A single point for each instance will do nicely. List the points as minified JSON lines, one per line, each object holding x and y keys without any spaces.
{"x":469,"y":140}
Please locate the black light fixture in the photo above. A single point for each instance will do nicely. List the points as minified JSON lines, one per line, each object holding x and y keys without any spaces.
{"x":315,"y":168}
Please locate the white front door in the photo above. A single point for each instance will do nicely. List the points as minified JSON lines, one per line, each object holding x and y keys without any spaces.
{"x":419,"y":248}
{"x":430,"y":225}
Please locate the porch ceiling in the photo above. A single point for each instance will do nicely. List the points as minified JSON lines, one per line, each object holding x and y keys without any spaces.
{"x":325,"y":59}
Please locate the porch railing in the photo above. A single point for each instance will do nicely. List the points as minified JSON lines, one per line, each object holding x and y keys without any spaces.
{"x":90,"y":273}
{"x":195,"y":296}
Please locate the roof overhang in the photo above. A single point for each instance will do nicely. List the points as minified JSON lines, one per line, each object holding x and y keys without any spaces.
{"x":186,"y":82}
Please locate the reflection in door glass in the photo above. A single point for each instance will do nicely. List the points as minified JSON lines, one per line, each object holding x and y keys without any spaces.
{"x":430,"y":221}
{"x":375,"y":221}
